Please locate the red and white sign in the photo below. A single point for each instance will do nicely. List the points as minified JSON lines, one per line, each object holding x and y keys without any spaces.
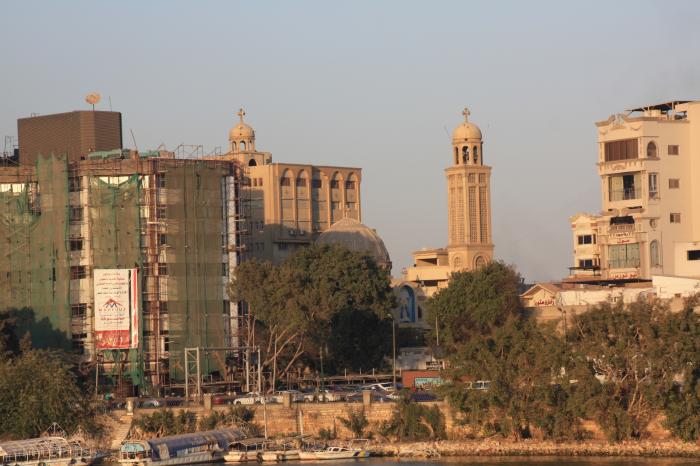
{"x":116,"y":308}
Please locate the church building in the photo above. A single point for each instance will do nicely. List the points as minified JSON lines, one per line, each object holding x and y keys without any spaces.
{"x":470,"y":244}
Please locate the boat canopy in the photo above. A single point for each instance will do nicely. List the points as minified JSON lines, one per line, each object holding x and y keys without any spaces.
{"x":179,"y":445}
{"x":42,"y":447}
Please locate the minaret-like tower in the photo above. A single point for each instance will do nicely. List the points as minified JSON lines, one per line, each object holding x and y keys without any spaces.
{"x":469,"y":200}
{"x":241,"y":140}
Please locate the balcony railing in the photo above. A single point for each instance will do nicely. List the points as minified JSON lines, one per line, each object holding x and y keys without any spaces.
{"x":625,"y":194}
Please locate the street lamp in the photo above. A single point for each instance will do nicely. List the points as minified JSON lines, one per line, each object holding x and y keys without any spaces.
{"x":393,"y":346}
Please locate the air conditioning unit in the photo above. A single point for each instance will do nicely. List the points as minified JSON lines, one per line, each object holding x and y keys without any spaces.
{"x":302,"y":232}
{"x":292,"y":232}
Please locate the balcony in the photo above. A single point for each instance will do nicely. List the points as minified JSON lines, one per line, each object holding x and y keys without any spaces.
{"x":623,"y":263}
{"x":625,"y":194}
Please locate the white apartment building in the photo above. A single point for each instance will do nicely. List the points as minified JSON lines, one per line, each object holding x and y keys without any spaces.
{"x":649,"y":166}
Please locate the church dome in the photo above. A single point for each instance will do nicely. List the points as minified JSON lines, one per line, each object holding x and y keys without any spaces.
{"x":466,"y":130}
{"x":242,"y":131}
{"x":358,"y":237}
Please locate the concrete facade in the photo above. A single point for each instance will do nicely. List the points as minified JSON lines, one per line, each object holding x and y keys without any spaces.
{"x":649,"y":166}
{"x":287,"y":206}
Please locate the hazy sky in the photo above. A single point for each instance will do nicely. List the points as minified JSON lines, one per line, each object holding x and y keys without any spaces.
{"x":378,"y":85}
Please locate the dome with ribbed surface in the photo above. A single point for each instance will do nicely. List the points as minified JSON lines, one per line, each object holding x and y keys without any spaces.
{"x":358,"y":237}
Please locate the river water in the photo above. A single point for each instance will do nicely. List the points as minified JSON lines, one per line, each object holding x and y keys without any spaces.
{"x":504,"y":461}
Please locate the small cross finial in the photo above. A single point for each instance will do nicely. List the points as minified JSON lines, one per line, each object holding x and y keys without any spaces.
{"x":466,"y":114}
{"x":241,"y":114}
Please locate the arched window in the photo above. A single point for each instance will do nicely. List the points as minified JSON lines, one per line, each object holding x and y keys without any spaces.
{"x":465,"y":155}
{"x":479,"y":262}
{"x":242,"y":145}
{"x":252,"y":163}
{"x":456,"y":156}
{"x":476,"y":154}
{"x":651,"y":150}
{"x":457,"y":263}
{"x":233,"y":146}
{"x":654,"y":258}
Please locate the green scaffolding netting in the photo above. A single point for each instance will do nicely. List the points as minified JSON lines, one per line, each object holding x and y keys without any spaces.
{"x":195,"y":287}
{"x":114,"y":216}
{"x":34,"y":261}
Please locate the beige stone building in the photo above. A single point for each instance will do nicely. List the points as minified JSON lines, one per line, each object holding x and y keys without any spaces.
{"x":649,"y":166}
{"x":470,"y":244}
{"x":286,"y":206}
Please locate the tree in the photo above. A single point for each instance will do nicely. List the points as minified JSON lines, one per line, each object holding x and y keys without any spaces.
{"x":356,"y":422}
{"x":297,"y":301}
{"x":487,"y":337}
{"x":626,"y":348}
{"x":37,"y":388}
{"x":415,"y":422}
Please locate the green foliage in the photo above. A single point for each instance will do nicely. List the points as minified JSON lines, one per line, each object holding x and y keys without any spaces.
{"x":356,"y":422}
{"x":298,"y":302}
{"x":37,"y":388}
{"x":237,"y":415}
{"x":326,"y":434}
{"x":474,"y":302}
{"x":359,"y":340}
{"x":415,"y":422}
{"x":164,"y":422}
{"x":626,"y":349}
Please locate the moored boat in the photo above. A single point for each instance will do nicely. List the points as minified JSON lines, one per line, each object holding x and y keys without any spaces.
{"x":45,"y":451}
{"x":354,"y":449}
{"x":245,"y":450}
{"x":199,"y":447}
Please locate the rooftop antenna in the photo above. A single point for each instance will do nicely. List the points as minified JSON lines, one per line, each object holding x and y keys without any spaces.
{"x":133,"y":139}
{"x":92,"y":99}
{"x":110,"y":103}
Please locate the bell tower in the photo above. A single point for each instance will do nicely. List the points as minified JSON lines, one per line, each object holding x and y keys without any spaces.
{"x":470,"y":245}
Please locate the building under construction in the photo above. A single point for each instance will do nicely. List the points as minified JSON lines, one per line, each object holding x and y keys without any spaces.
{"x":74,"y":203}
{"x":67,"y":210}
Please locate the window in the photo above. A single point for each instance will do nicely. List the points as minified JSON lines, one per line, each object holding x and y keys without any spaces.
{"x":335,"y":184}
{"x":75,"y":183}
{"x":162,"y":239}
{"x":147,"y":270}
{"x":76,"y":244}
{"x":651,"y":150}
{"x":586,"y":239}
{"x":465,"y":154}
{"x":301,"y":182}
{"x":625,"y":187}
{"x":625,"y":149}
{"x":77,"y":272}
{"x":162,"y":268}
{"x":78,"y":345}
{"x":285,"y":181}
{"x":673,"y":149}
{"x":654,"y":258}
{"x":161,"y":212}
{"x":160,"y":180}
{"x":622,"y":256}
{"x":694,"y":255}
{"x":350,"y":185}
{"x":585,"y":263}
{"x":471,"y":178}
{"x":653,"y":186}
{"x":674,"y":183}
{"x":260,"y":182}
{"x":76,"y":214}
{"x":163,"y":307}
{"x":675,"y":217}
{"x":78,"y":310}
{"x":316,"y":184}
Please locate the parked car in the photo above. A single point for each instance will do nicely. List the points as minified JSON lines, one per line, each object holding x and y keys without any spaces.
{"x":150,"y":403}
{"x":386,"y":386}
{"x":250,"y":398}
{"x":223,"y":399}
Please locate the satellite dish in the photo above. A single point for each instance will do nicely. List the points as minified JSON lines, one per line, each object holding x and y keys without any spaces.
{"x":92,"y":99}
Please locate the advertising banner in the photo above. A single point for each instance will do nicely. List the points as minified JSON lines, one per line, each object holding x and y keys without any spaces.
{"x":116,"y":308}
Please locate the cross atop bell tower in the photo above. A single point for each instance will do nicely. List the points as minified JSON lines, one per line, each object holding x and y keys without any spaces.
{"x":241,"y":114}
{"x":466,"y":114}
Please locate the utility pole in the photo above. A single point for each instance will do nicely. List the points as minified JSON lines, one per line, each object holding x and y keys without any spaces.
{"x":393,"y":340}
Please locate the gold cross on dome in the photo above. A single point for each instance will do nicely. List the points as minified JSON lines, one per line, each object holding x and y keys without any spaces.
{"x":466,"y":114}
{"x":241,"y":114}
